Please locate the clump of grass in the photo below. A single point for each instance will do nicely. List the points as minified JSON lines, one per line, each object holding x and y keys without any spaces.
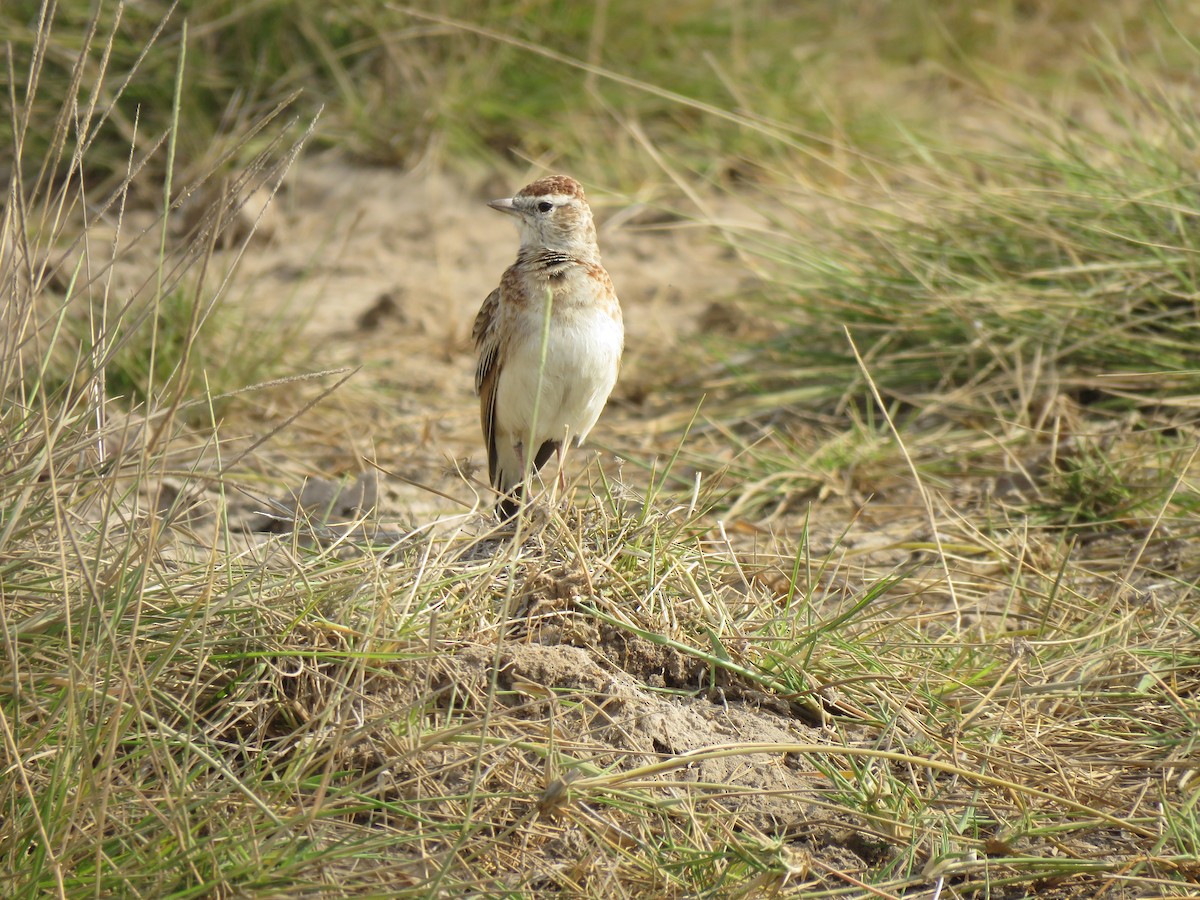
{"x":185,"y":346}
{"x":1100,"y":481}
{"x":1059,"y":276}
{"x":94,"y":618}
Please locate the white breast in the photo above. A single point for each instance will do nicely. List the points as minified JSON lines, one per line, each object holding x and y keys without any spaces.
{"x":582,"y":358}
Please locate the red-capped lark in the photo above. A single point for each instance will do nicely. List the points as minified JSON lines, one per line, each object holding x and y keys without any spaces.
{"x":530,"y":406}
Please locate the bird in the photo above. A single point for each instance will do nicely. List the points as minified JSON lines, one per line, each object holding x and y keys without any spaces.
{"x":530,"y":408}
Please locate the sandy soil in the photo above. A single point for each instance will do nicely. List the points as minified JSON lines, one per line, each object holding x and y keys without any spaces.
{"x":390,"y":269}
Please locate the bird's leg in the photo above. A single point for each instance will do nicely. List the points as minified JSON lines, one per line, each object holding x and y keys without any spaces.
{"x":519,"y":449}
{"x":561,"y":452}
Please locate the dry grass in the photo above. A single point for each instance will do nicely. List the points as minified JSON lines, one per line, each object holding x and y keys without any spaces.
{"x":908,"y":609}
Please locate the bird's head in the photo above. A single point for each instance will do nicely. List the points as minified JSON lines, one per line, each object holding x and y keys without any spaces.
{"x":553,"y":213}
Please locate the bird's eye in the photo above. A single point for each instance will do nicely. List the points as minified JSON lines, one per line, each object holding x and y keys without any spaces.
{"x":545,"y":206}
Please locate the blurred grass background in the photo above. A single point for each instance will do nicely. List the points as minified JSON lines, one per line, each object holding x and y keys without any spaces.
{"x":395,"y":86}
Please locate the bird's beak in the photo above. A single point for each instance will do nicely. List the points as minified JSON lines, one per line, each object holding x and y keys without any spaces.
{"x":505,"y":206}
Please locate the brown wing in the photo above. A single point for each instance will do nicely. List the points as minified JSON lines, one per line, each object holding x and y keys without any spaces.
{"x":487,"y":341}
